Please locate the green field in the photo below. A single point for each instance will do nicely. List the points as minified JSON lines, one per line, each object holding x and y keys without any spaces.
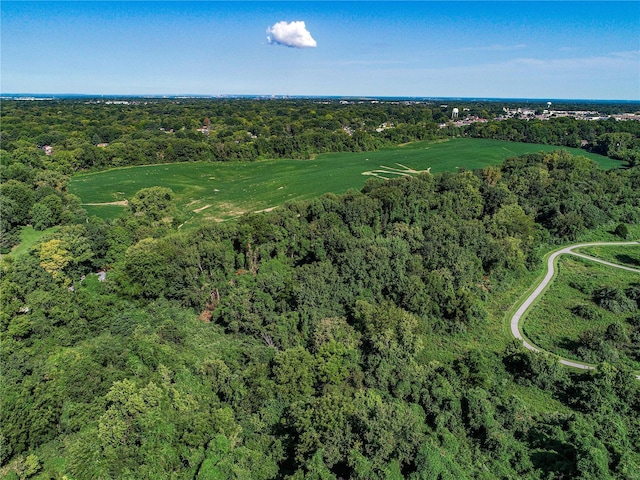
{"x":225,"y":190}
{"x":29,"y":237}
{"x":622,"y":255}
{"x":553,"y":326}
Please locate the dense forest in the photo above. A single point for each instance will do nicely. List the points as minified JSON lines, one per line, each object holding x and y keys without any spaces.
{"x":89,"y":135}
{"x":334,"y":338}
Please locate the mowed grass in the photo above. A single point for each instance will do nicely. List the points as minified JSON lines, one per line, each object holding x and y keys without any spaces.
{"x":553,"y":326}
{"x":622,"y":255}
{"x":222,"y":190}
{"x":29,"y":237}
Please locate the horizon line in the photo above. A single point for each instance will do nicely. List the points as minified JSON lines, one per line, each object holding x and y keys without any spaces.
{"x":54,"y":96}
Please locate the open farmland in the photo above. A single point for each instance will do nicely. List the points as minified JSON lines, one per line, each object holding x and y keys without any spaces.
{"x":218,"y":191}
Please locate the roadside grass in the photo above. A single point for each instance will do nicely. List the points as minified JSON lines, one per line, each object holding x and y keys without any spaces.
{"x":622,"y":255}
{"x":223,"y":190}
{"x":552,"y":325}
{"x":526,"y":285}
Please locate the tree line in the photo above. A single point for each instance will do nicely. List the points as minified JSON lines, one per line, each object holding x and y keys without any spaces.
{"x":91,"y":135}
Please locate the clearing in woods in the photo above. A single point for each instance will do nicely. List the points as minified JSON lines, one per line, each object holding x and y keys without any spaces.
{"x":566,"y":319}
{"x":234,"y":187}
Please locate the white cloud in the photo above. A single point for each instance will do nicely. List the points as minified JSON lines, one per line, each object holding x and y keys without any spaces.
{"x":292,"y":34}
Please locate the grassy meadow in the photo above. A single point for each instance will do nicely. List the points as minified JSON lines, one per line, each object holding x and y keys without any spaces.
{"x":552,"y":324}
{"x":29,"y":237}
{"x":223,"y":190}
{"x":622,"y":255}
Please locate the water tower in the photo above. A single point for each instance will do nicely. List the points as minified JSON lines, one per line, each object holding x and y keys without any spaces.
{"x":454,"y":113}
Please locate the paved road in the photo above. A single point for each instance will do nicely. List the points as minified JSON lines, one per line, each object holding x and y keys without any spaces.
{"x":517,"y":317}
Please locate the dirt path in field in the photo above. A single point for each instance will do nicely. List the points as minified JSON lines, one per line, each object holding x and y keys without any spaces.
{"x":198,"y":210}
{"x":516,"y":319}
{"x":270,"y":209}
{"x":404,"y":171}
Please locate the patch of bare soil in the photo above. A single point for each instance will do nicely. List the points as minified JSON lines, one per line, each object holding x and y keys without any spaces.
{"x":265,"y":210}
{"x":198,"y":210}
{"x":404,"y":171}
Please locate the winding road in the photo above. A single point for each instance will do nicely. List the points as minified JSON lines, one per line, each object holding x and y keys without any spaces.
{"x":516,"y":319}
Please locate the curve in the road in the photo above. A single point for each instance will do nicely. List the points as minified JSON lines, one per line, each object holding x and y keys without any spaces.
{"x":516,"y":319}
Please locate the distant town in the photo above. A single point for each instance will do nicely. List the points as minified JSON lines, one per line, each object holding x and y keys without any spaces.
{"x":546,"y":114}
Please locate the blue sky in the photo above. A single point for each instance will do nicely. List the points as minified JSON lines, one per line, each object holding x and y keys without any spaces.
{"x":570,"y":49}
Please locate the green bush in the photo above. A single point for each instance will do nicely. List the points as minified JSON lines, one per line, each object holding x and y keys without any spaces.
{"x":588,"y":312}
{"x":622,"y":230}
{"x":616,"y":333}
{"x":614,"y":300}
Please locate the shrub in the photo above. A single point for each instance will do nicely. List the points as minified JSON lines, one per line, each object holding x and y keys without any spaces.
{"x":616,"y":333}
{"x":588,"y":312}
{"x":634,"y":319}
{"x":593,"y":348}
{"x":586,"y":286}
{"x":622,"y":230}
{"x":614,"y":300}
{"x":633,"y":293}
